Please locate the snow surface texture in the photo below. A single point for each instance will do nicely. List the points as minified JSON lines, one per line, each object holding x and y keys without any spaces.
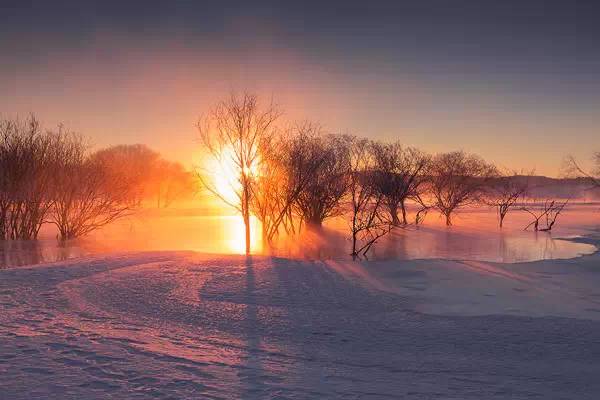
{"x":182,"y":325}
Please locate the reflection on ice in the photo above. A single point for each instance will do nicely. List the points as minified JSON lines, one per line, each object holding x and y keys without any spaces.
{"x":23,"y":252}
{"x":474,"y":237}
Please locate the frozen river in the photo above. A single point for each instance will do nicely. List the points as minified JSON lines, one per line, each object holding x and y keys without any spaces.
{"x":475,"y":236}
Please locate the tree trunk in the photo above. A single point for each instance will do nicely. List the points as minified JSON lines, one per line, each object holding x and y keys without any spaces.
{"x":314,"y":222}
{"x":247,"y":226}
{"x":354,"y":233}
{"x":404,"y":221}
{"x":394,"y":214}
{"x":448,"y":219}
{"x":246,"y":212}
{"x":420,"y":217}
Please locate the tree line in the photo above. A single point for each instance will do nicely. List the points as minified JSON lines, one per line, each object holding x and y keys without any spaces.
{"x":289,"y":176}
{"x":295,"y":176}
{"x":51,"y":177}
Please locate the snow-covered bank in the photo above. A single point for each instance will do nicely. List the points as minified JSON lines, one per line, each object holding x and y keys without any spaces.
{"x":560,"y":288}
{"x":182,"y":325}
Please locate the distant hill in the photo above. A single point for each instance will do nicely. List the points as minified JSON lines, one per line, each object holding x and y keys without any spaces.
{"x":576,"y":188}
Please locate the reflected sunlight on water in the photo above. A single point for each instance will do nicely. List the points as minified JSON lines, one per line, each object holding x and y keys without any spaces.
{"x":234,"y":236}
{"x":475,"y":237}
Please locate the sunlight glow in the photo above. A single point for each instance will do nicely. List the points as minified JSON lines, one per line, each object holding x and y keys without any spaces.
{"x":235,"y":242}
{"x":225,"y":175}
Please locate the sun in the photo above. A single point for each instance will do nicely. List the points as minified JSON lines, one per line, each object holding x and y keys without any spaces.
{"x":225,"y":176}
{"x":225,"y":173}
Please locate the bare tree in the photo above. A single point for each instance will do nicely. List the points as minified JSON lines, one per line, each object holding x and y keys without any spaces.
{"x":505,"y":191}
{"x":369,"y":221}
{"x":233,"y":134}
{"x":458,"y":179}
{"x":135,"y":164}
{"x":423,"y":205}
{"x":399,"y":175}
{"x":88,"y":194}
{"x":548,"y":213}
{"x":169,"y":182}
{"x":328,"y":181}
{"x":289,"y":164}
{"x":149,"y":177}
{"x":45,"y":176}
{"x":573,"y":168}
{"x":27,"y":156}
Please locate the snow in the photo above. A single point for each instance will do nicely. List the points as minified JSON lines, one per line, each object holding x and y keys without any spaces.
{"x":178,"y":325}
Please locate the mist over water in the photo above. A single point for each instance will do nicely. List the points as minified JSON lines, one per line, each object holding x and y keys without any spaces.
{"x":475,"y":236}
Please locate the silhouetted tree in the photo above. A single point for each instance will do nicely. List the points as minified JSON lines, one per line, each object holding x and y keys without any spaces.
{"x":290,"y":162}
{"x":88,"y":192}
{"x":571,"y":167}
{"x":423,"y":205}
{"x":47,"y":176}
{"x":548,"y":212}
{"x":369,"y":221}
{"x":169,"y":182}
{"x":458,"y":179}
{"x":505,"y":191}
{"x":399,"y":175}
{"x":135,"y":164}
{"x":328,"y":181}
{"x":27,"y":163}
{"x":232,"y":134}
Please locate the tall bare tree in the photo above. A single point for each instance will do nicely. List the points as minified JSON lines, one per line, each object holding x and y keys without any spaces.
{"x":458,"y":179}
{"x":369,"y":222}
{"x":505,"y":191}
{"x":290,"y":162}
{"x":233,"y":134}
{"x":27,"y":158}
{"x":400,"y":173}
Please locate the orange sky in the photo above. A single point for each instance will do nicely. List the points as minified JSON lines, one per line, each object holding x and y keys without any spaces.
{"x":120,"y":91}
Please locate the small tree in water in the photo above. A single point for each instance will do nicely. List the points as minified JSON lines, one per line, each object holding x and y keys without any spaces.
{"x":232,"y":134}
{"x":547,"y":213}
{"x":457,"y":180}
{"x":289,"y":165}
{"x":506,"y":191}
{"x":369,"y":222}
{"x":400,"y":174}
{"x":327,"y":183}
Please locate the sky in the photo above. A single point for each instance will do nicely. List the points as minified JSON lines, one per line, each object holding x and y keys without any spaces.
{"x":517,"y":82}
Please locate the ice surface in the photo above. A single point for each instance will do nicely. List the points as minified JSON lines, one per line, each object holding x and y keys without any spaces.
{"x":475,"y":236}
{"x":176,"y":325}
